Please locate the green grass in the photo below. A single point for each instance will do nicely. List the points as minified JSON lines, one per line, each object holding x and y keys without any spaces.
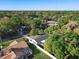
{"x":41,"y":55}
{"x":7,"y":42}
{"x":38,"y":54}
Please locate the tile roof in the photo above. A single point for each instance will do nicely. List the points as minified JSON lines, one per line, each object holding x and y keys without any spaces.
{"x":21,"y":44}
{"x":13,"y":43}
{"x":11,"y":55}
{"x":15,"y":49}
{"x":19,"y":52}
{"x":5,"y":51}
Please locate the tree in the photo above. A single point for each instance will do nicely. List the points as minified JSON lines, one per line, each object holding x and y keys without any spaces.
{"x":4,"y":26}
{"x":34,"y":32}
{"x":50,"y":29}
{"x":63,"y":45}
{"x":15,"y":21}
{"x":62,"y":21}
{"x":35,"y":23}
{"x":41,"y":31}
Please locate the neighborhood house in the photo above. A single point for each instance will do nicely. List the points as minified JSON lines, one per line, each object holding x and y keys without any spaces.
{"x":16,"y":50}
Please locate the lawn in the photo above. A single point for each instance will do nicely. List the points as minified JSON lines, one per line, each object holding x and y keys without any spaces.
{"x":41,"y":55}
{"x":7,"y":42}
{"x":38,"y":54}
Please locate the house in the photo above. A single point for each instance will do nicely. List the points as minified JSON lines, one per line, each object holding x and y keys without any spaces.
{"x":11,"y":55}
{"x":16,"y":50}
{"x":41,"y":39}
{"x":72,"y":24}
{"x":76,"y":30}
{"x":51,"y":23}
{"x":42,"y":42}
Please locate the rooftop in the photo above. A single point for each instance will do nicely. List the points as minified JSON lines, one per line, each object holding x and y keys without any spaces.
{"x":16,"y":48}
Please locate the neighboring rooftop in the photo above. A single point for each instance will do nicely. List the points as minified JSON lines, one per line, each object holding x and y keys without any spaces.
{"x":13,"y":43}
{"x":21,"y":44}
{"x":51,"y":23}
{"x":15,"y":49}
{"x":11,"y":55}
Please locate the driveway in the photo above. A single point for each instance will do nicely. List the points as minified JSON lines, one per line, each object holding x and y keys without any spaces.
{"x":40,"y":38}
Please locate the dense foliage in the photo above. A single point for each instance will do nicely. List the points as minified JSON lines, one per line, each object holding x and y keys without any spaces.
{"x":63,"y":39}
{"x":63,"y":43}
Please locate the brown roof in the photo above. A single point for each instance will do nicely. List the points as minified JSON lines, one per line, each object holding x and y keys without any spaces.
{"x":11,"y":55}
{"x":13,"y":43}
{"x":19,"y":52}
{"x":21,"y":44}
{"x":72,"y":23}
{"x":16,"y":49}
{"x":5,"y":51}
{"x":76,"y":30}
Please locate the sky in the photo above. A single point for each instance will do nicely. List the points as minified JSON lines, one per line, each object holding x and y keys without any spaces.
{"x":39,"y":4}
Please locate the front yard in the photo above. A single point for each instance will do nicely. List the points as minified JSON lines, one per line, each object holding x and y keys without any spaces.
{"x":38,"y":54}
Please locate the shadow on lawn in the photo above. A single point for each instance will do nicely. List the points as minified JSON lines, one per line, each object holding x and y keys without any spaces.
{"x":34,"y":49}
